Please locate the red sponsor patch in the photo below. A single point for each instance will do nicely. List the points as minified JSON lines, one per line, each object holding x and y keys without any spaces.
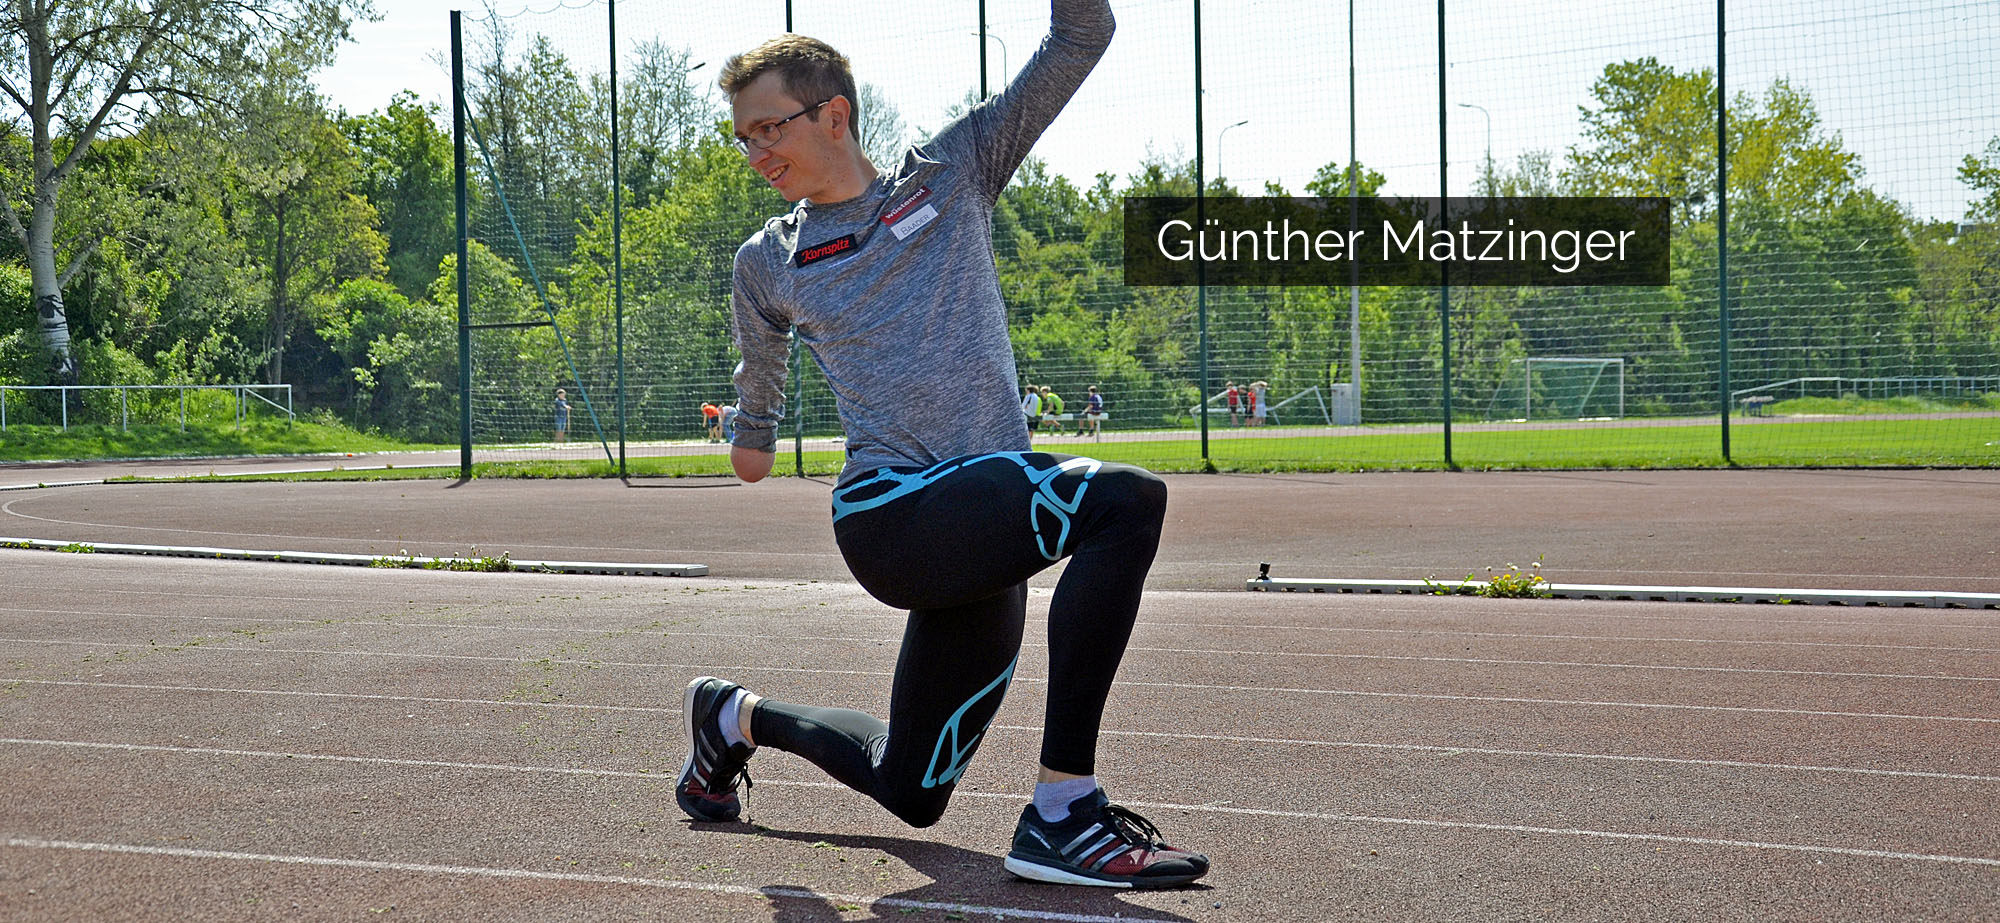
{"x":909,"y":205}
{"x":813,"y":254}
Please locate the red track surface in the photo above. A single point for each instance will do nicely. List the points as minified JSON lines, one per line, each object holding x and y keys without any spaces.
{"x":197,"y":740}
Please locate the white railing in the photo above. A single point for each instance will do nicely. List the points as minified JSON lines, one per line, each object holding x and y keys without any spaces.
{"x":244,"y":394}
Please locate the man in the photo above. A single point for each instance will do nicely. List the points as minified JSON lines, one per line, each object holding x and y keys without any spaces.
{"x":1093,"y":413}
{"x":1052,"y":408}
{"x":891,"y":285}
{"x":562,"y":415}
{"x":1031,"y":405}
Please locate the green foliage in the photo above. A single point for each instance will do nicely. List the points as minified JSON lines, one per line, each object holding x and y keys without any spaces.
{"x":405,"y":170}
{"x":1513,"y":583}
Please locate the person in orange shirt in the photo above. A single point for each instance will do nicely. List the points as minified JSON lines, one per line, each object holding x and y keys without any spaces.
{"x":711,"y":418}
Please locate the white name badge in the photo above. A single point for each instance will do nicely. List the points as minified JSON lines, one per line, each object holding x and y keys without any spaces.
{"x":914,"y":222}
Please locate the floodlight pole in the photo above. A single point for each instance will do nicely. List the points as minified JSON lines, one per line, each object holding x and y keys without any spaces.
{"x":1218,"y":145}
{"x":1490,"y":190}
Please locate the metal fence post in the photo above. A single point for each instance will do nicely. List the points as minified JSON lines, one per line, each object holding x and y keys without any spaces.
{"x":124,"y":415}
{"x":65,"y":408}
{"x":1722,"y":220}
{"x":184,"y":408}
{"x":1444,"y":270}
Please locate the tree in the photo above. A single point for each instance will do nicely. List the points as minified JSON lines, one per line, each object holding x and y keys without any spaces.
{"x":406,"y":163}
{"x":77,"y":70}
{"x":297,"y":171}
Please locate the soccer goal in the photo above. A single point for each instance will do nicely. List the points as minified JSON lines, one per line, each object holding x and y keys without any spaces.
{"x":1570,"y":387}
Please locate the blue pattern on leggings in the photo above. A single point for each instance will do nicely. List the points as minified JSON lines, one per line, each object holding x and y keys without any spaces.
{"x":958,"y":755}
{"x":902,"y":484}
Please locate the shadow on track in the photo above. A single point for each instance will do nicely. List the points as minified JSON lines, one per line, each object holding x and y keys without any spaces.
{"x":958,"y":876}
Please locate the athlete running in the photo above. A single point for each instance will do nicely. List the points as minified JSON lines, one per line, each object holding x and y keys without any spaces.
{"x":941,"y":509}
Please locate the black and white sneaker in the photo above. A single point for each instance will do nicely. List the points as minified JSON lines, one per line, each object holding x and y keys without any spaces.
{"x":707,"y":786}
{"x":1102,"y":845}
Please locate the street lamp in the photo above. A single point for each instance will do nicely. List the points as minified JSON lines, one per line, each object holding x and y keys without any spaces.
{"x":1489,"y":145}
{"x":1218,"y":146}
{"x":1003,"y":55}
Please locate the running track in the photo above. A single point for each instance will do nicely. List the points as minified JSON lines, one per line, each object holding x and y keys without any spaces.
{"x":207,"y":740}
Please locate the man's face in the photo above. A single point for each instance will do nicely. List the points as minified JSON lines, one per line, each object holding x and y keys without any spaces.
{"x":800,"y":165}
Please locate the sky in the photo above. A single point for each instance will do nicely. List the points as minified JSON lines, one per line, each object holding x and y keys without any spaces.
{"x":1911,"y":86}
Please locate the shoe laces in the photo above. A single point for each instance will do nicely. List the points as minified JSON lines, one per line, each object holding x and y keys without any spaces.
{"x":728,"y":779}
{"x":1131,"y":826}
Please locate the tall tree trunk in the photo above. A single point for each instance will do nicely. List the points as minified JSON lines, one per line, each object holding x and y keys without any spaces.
{"x":47,"y":281}
{"x":281,"y":323}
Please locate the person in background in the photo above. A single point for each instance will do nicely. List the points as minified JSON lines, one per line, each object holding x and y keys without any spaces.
{"x":1235,"y":399}
{"x":562,"y":415}
{"x":711,"y":421}
{"x":1052,"y":408}
{"x":1093,"y":413}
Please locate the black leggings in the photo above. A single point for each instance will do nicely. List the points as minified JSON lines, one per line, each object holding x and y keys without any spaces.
{"x":955,"y":544}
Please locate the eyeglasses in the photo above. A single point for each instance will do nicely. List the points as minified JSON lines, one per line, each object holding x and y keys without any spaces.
{"x":768,"y":134}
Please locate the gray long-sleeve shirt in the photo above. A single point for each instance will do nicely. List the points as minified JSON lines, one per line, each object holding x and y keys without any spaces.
{"x":895,"y":292}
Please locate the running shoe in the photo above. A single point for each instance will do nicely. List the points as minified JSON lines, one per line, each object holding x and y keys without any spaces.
{"x":1102,"y":845}
{"x":707,"y":786}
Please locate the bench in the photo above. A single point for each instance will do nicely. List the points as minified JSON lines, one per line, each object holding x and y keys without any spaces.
{"x":1756,"y":405}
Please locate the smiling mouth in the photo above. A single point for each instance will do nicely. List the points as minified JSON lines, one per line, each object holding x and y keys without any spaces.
{"x":772,"y":177}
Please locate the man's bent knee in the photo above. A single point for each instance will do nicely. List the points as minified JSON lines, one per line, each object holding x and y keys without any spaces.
{"x":921,"y":808}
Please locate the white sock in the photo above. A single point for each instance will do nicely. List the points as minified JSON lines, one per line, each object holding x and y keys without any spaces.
{"x":1052,"y":798}
{"x":731,"y":718}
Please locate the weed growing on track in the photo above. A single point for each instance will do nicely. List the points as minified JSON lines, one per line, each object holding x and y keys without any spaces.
{"x":472,"y":562}
{"x":78,"y":548}
{"x":1514,"y":584}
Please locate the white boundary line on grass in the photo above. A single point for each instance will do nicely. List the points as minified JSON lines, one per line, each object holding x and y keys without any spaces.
{"x":421,"y":868}
{"x":1169,"y":806}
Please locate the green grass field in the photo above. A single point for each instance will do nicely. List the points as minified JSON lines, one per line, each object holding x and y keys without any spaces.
{"x":1961,"y":442}
{"x":258,"y":437}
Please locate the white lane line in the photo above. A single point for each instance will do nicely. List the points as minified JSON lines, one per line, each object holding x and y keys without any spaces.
{"x":423,"y":868}
{"x":1539,"y":754}
{"x":8,"y":509}
{"x":1579,"y":832}
{"x":1373,"y":819}
{"x":1239,"y":627}
{"x":1261,"y":690}
{"x":653,"y":627}
{"x":1373,"y":609}
{"x":1031,"y":729}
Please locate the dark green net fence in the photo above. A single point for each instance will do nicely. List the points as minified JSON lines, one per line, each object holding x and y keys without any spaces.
{"x":1854,"y":197}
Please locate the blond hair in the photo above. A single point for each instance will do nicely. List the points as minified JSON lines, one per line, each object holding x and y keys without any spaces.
{"x":809,"y":70}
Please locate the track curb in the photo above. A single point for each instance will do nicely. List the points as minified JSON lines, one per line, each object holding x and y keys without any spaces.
{"x":416,"y":562}
{"x":1929,"y":599}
